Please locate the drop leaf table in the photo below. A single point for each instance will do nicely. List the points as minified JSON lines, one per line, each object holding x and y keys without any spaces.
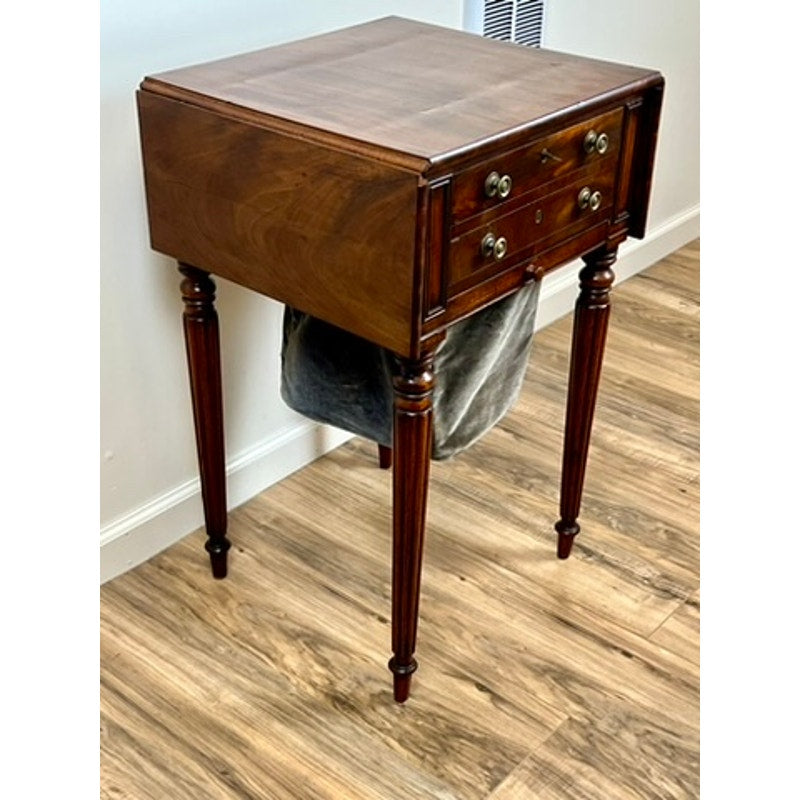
{"x":392,"y":179}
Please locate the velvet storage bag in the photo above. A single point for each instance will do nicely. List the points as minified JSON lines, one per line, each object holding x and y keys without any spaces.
{"x":335,"y":377}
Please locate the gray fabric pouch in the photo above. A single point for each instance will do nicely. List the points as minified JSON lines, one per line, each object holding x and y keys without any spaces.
{"x":338,"y":378}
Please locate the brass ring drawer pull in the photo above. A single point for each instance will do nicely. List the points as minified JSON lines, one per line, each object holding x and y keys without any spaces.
{"x":494,"y":247}
{"x":497,"y":185}
{"x":589,"y":199}
{"x":596,"y":142}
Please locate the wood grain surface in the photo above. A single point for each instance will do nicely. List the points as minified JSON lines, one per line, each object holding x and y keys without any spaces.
{"x":372,"y":83}
{"x":539,"y":678}
{"x":330,"y":233}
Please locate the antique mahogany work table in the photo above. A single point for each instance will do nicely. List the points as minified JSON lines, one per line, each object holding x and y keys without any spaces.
{"x":391,"y":179}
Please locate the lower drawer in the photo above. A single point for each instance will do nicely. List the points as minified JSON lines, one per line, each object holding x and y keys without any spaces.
{"x":514,"y":276}
{"x":504,"y":240}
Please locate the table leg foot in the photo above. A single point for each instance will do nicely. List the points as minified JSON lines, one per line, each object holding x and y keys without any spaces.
{"x":566,"y":535}
{"x":384,"y":457}
{"x":402,"y":678}
{"x":218,"y":553}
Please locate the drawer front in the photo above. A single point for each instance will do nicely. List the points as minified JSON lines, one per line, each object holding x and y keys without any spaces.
{"x":581,"y":204}
{"x":502,"y":180}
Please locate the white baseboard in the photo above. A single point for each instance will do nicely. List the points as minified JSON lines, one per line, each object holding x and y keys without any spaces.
{"x":560,"y":289}
{"x":154,"y":526}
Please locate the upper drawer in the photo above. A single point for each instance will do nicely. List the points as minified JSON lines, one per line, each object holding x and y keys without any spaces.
{"x":511,"y":174}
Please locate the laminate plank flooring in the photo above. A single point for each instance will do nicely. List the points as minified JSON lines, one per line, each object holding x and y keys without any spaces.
{"x":538,"y":678}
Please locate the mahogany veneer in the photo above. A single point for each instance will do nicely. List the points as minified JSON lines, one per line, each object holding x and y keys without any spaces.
{"x":391,"y":179}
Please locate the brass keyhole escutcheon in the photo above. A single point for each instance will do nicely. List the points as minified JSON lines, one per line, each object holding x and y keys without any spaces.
{"x":538,"y":216}
{"x":548,"y":156}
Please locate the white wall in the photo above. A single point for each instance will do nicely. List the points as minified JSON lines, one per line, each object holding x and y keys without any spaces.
{"x":148,"y":470}
{"x":149,"y":489}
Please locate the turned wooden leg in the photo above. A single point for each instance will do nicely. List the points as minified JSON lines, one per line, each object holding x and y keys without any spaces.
{"x":384,"y":456}
{"x":588,"y":340}
{"x":413,"y":394}
{"x":201,"y":331}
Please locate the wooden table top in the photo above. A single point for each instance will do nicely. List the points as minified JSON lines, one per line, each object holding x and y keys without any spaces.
{"x":415,"y":89}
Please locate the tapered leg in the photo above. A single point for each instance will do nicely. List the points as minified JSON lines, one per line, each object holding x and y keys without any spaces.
{"x":384,"y":456}
{"x":588,"y":341}
{"x":201,"y":331}
{"x":413,"y":394}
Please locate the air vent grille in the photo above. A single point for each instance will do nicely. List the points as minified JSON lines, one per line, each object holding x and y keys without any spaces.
{"x":498,"y":19}
{"x":518,"y":21}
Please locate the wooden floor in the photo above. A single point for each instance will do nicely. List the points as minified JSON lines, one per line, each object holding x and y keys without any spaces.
{"x":538,"y":678}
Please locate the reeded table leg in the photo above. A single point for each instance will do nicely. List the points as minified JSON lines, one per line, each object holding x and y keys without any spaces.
{"x":413,"y":395}
{"x":588,"y":340}
{"x":201,"y":331}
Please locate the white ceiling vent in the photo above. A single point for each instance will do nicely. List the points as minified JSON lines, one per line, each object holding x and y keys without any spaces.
{"x":517,"y":21}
